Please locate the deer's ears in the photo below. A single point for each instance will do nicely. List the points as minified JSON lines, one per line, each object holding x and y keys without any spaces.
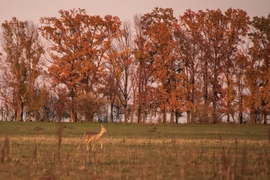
{"x":101,"y":125}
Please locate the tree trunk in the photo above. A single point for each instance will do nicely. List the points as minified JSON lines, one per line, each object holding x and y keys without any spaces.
{"x":188,"y":117}
{"x":214,"y":113}
{"x":21,"y":117}
{"x":45,"y":116}
{"x":252,"y":118}
{"x":172,"y":117}
{"x":151,"y":117}
{"x":139,"y":111}
{"x":264,"y":118}
{"x":125,"y":113}
{"x":240,"y":118}
{"x":18,"y":112}
{"x":73,"y":113}
{"x":111,"y":114}
{"x":164,"y":116}
{"x":35,"y":116}
{"x":176,"y":117}
{"x":71,"y":116}
{"x":132,"y":113}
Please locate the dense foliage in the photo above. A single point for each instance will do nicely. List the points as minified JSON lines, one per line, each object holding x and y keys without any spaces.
{"x":206,"y":66}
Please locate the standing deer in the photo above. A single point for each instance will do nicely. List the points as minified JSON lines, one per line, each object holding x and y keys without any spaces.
{"x":92,"y":136}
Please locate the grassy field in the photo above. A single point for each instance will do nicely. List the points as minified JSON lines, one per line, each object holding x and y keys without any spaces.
{"x":134,"y":151}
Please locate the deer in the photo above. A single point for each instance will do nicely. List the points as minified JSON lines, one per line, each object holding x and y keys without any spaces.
{"x":88,"y":137}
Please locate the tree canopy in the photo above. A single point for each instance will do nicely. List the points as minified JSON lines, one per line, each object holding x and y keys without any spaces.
{"x":206,"y":66}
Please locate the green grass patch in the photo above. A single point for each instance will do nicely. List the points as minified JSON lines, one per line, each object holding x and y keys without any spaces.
{"x":134,"y":151}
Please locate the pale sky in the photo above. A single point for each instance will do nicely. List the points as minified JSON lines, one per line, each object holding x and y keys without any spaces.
{"x":124,"y":9}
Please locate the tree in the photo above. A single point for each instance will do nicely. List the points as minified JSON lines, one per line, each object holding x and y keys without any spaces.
{"x":189,"y":38}
{"x":143,"y":97}
{"x":211,"y":39}
{"x":21,"y":63}
{"x":237,"y":28}
{"x":224,"y":33}
{"x":163,"y":58}
{"x":241,"y":84}
{"x":258,"y":70}
{"x":78,"y":46}
{"x":120,"y":68}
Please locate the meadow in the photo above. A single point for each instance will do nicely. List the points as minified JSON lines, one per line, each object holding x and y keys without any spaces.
{"x":48,"y":151}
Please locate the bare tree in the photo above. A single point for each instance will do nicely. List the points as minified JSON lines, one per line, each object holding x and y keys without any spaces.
{"x":121,"y":63}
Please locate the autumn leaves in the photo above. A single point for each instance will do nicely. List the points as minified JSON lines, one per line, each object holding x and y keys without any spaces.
{"x":79,"y":46}
{"x":196,"y":64}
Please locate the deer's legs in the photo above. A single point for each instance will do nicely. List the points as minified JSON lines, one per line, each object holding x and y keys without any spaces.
{"x":101,"y":145}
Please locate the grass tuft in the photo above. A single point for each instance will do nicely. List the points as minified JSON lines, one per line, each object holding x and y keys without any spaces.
{"x":6,"y":150}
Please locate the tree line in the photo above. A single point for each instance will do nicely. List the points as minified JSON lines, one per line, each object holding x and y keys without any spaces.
{"x":207,"y":66}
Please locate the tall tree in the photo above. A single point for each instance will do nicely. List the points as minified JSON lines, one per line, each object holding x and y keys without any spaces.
{"x":240,"y":83}
{"x":78,"y":46}
{"x":215,"y":38}
{"x":236,"y":31}
{"x":258,"y":70}
{"x":120,"y":65}
{"x":189,"y":38}
{"x":21,"y":63}
{"x":143,"y":98}
{"x":166,"y":66}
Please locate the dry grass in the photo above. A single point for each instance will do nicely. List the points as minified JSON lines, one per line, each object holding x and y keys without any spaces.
{"x":148,"y":156}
